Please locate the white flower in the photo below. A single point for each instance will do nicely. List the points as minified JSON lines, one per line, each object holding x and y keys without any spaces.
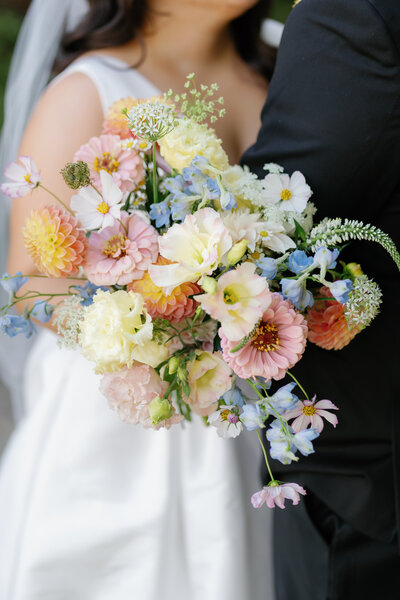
{"x":112,"y":328}
{"x":273,"y":236}
{"x":273,"y":168}
{"x":243,"y":225}
{"x":23,"y":178}
{"x":152,"y":120}
{"x":226,"y":421}
{"x":292,"y":192}
{"x":95,"y":211}
{"x":243,"y":184}
{"x":195,"y":247}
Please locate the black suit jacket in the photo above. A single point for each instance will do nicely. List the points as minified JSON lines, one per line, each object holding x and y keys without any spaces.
{"x":333,"y":112}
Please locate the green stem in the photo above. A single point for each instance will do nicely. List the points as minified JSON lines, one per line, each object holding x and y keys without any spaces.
{"x":57,"y":198}
{"x":265,"y":456}
{"x":255,"y":389}
{"x":155,"y":190}
{"x":297,"y":382}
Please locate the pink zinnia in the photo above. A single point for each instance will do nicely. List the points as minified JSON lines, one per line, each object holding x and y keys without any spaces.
{"x":119,"y":254}
{"x":276,"y":345}
{"x":309,"y":412}
{"x":275,"y":495}
{"x":130,"y":391}
{"x":105,"y":153}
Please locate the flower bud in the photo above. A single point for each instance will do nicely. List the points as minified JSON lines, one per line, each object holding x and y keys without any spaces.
{"x":209,"y":284}
{"x":159,"y":410}
{"x":76,"y":175}
{"x":173,"y":364}
{"x":237,"y":252}
{"x":354,"y":269}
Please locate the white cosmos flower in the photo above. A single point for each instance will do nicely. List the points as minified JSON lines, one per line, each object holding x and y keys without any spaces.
{"x":96,"y":211}
{"x":24,"y":177}
{"x":273,"y":236}
{"x":292,"y":192}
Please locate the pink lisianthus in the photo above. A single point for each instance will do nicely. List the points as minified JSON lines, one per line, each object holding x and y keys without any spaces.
{"x":276,"y":345}
{"x":209,"y":378}
{"x":130,"y":391}
{"x":24,"y":177}
{"x":309,"y":412}
{"x":275,"y":495}
{"x":105,"y":153}
{"x":239,"y":302}
{"x":119,"y":254}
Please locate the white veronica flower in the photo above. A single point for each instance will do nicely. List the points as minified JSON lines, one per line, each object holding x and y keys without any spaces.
{"x":95,"y":211}
{"x":292,"y":192}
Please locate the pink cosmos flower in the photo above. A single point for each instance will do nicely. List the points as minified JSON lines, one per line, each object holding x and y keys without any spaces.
{"x":24,"y":177}
{"x":309,"y":412}
{"x":130,"y":391}
{"x":119,"y":254}
{"x":273,"y":495}
{"x":276,"y":345}
{"x":105,"y":153}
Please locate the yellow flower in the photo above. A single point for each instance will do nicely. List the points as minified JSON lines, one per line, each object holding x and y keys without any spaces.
{"x":53,"y":240}
{"x":113,"y":328}
{"x":190,"y":139}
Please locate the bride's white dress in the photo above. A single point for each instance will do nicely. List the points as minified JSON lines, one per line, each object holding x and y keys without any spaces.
{"x":95,"y":509}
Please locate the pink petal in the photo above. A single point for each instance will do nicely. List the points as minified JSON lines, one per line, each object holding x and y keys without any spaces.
{"x":329,"y":417}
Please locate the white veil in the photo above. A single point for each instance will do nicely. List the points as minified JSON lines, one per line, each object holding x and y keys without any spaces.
{"x":37,"y":47}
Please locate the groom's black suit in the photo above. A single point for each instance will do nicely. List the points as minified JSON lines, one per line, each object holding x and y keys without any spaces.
{"x":333,"y":112}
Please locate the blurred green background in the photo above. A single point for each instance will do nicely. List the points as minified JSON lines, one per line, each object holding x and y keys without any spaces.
{"x":11,"y":14}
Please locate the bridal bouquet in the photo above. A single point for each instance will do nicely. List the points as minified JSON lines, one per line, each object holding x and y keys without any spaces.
{"x":192,"y":285}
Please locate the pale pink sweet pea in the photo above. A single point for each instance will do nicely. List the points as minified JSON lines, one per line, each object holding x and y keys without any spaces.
{"x":277,"y":344}
{"x":275,"y":495}
{"x":121,"y":253}
{"x":105,"y":153}
{"x":310,"y":412}
{"x":195,"y":248}
{"x":241,"y":298}
{"x":130,"y":391}
{"x":95,"y":211}
{"x":24,"y":177}
{"x":209,"y":378}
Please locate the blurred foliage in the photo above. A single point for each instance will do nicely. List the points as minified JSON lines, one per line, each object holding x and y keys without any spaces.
{"x":10,"y":21}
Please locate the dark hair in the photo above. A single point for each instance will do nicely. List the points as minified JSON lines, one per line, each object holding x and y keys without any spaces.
{"x":115,"y":22}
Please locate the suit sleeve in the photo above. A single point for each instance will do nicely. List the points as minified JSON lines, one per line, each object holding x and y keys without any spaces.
{"x":333,"y":107}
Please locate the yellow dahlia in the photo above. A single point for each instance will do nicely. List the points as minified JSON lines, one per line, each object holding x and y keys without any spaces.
{"x":175,"y":306}
{"x":53,"y":240}
{"x":115,"y":122}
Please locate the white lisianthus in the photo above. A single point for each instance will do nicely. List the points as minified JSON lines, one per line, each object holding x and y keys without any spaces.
{"x":151,"y":353}
{"x":112,"y":328}
{"x":188,"y":140}
{"x":209,"y":378}
{"x":243,"y":225}
{"x":292,"y":192}
{"x":241,"y":298}
{"x":95,"y":211}
{"x":195,"y":247}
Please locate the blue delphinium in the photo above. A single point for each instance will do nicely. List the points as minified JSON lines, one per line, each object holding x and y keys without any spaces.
{"x":233,"y":396}
{"x":87,"y":292}
{"x":42,"y":311}
{"x":341,"y":289}
{"x":12,"y":325}
{"x":252,"y":417}
{"x":11,"y":283}
{"x":268,"y":267}
{"x":160,"y":212}
{"x":284,"y":443}
{"x":325,"y":259}
{"x":295,"y":290}
{"x":299,"y":261}
{"x":283,"y":399}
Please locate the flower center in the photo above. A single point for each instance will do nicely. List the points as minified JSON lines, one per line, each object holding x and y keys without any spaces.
{"x":230,"y":296}
{"x":264,"y":233}
{"x":309,"y":411}
{"x":227,"y":415}
{"x":103,"y":208}
{"x":255,"y":255}
{"x":286,"y":194}
{"x":108,"y":163}
{"x":266,"y":337}
{"x":28,"y":178}
{"x":116,"y":246}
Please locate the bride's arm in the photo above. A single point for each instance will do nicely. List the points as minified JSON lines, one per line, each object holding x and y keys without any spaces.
{"x":68,"y":114}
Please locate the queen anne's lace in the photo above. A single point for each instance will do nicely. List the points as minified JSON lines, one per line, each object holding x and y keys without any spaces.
{"x":68,"y":317}
{"x":151,"y":121}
